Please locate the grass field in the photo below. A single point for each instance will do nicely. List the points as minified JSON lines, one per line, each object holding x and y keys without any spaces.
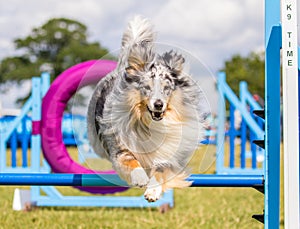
{"x":194,"y":208}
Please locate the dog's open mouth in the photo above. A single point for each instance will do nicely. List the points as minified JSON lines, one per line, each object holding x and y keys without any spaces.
{"x":156,"y":115}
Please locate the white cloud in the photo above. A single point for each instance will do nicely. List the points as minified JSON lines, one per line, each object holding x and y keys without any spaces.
{"x":213,"y":29}
{"x":19,"y":17}
{"x":208,"y":20}
{"x":200,"y":20}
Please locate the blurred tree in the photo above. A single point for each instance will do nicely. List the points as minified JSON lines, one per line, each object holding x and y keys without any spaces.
{"x":249,"y":69}
{"x":56,"y":45}
{"x":53,"y":47}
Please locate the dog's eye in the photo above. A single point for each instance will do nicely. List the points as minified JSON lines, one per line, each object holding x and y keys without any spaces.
{"x":167,"y":90}
{"x":145,"y":89}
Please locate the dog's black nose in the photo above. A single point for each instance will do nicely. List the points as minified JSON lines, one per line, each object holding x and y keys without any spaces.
{"x":158,"y":104}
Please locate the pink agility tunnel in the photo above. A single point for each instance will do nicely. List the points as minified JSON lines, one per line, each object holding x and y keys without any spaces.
{"x":53,"y":106}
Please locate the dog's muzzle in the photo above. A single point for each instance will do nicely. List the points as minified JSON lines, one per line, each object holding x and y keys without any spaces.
{"x":158,"y":113}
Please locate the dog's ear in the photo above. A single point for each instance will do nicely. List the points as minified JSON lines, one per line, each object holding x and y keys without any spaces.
{"x":174,"y":61}
{"x":139,"y":58}
{"x":135,"y":63}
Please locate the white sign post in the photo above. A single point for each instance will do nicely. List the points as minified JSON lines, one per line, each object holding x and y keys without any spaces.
{"x":290,"y":112}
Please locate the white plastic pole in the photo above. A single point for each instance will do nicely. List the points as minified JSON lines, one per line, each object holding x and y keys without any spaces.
{"x":290,"y":112}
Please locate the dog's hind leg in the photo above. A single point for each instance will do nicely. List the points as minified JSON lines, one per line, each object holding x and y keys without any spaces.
{"x":130,"y":169}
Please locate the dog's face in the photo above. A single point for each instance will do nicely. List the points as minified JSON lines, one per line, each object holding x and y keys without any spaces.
{"x":156,"y":87}
{"x":156,"y":79}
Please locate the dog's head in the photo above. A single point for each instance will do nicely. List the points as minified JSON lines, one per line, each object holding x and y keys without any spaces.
{"x":155,"y":79}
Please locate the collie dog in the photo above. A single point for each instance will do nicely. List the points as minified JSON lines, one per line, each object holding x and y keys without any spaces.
{"x":144,"y":116}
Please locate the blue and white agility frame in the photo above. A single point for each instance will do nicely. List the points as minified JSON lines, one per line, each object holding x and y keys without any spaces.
{"x":37,"y":167}
{"x":250,"y":125}
{"x":274,"y":35}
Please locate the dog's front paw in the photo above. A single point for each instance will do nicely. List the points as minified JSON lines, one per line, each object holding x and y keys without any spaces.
{"x":152,"y":194}
{"x":139,"y":177}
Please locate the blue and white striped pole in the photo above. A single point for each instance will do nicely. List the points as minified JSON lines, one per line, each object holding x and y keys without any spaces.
{"x":109,"y":180}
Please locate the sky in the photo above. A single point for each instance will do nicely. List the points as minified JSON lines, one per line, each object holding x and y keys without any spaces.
{"x":203,"y":27}
{"x":211,"y":31}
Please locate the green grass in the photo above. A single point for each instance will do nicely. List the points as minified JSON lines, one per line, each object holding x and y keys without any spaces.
{"x":194,"y":208}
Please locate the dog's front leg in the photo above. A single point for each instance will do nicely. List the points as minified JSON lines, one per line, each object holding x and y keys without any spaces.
{"x":155,"y":187}
{"x":130,"y":169}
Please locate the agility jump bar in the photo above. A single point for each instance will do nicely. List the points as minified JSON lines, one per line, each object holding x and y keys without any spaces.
{"x":110,"y":180}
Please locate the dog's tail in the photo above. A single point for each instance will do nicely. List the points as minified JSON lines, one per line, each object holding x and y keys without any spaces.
{"x":139,"y":32}
{"x":172,"y":180}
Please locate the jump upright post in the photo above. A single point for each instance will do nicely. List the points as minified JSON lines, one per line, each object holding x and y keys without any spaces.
{"x":272,"y":113}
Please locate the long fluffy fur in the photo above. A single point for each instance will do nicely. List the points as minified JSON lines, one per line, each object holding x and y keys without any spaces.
{"x":122,"y":128}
